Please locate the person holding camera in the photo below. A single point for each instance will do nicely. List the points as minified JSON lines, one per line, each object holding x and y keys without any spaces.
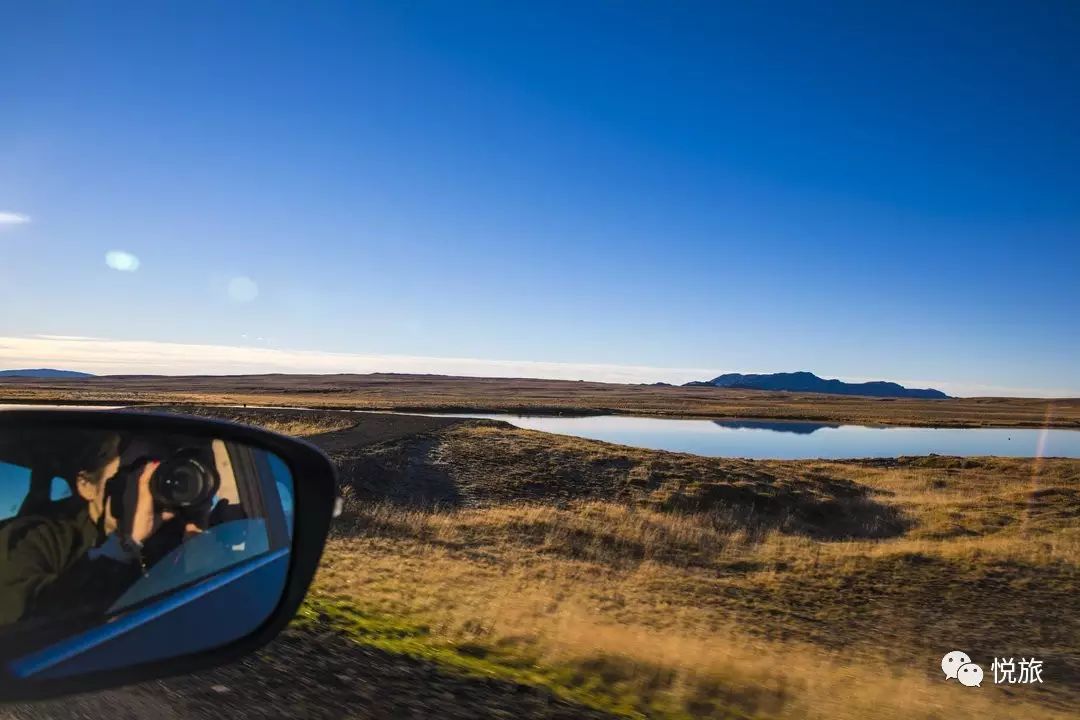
{"x":74,"y":555}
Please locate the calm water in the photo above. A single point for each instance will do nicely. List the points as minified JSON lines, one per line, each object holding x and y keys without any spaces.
{"x":791,"y":440}
{"x":798,"y":440}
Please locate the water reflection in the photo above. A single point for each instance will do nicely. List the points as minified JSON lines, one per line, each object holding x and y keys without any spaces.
{"x":783,"y":426}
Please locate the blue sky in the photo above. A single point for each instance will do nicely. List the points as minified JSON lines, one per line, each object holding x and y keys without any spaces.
{"x":867,"y":191}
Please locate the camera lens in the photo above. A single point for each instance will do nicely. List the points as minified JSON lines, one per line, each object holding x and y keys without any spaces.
{"x":184,"y":480}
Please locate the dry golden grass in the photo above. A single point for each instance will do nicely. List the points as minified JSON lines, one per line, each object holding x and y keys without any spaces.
{"x":303,"y":428}
{"x":655,"y":627}
{"x":297,"y":423}
{"x":693,"y":610}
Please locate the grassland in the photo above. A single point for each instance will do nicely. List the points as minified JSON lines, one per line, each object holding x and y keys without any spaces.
{"x":457,"y":394}
{"x":669,"y":585}
{"x":305,"y":426}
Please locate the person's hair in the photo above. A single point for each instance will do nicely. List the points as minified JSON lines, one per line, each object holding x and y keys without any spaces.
{"x":88,"y":452}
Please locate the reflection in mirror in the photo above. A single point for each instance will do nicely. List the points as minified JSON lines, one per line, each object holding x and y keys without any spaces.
{"x":122,"y":548}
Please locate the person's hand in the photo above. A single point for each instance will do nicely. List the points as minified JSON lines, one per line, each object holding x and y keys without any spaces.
{"x":144,"y":520}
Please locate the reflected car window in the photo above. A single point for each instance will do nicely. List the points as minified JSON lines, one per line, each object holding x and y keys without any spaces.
{"x":210,"y":552}
{"x":14,"y":484}
{"x":59,"y":490}
{"x":284,"y":480}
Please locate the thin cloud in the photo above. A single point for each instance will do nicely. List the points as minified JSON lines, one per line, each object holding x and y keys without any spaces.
{"x":243,"y":289}
{"x":66,"y":337}
{"x":13,"y":218}
{"x":124,"y":357}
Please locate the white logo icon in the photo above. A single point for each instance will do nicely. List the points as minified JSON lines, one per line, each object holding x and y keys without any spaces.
{"x":951,"y":663}
{"x":970,"y":674}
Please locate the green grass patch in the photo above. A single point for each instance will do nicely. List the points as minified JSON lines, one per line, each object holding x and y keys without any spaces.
{"x":610,"y":685}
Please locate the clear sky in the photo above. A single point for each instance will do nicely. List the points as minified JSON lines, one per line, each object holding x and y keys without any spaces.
{"x":871,"y":190}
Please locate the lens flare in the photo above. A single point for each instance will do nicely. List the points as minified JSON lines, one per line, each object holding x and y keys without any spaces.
{"x":243,"y":289}
{"x":1037,"y":462}
{"x":122,"y":261}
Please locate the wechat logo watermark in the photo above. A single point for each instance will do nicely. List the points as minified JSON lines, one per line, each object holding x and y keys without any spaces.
{"x":957,"y":666}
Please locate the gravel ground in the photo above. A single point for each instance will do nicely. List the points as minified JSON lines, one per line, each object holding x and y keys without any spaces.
{"x":304,"y":674}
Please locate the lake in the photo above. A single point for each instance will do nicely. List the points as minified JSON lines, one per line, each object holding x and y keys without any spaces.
{"x":787,"y":439}
{"x":793,"y":440}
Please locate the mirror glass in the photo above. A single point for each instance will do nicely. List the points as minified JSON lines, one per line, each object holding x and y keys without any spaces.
{"x":120,"y":548}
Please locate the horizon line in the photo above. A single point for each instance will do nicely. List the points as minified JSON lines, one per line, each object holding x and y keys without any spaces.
{"x":105,"y":357}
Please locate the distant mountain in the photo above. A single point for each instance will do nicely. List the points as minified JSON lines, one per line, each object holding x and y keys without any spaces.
{"x":809,"y":382}
{"x":45,"y":373}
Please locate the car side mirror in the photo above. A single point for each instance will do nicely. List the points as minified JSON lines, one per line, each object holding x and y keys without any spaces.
{"x":136,"y":545}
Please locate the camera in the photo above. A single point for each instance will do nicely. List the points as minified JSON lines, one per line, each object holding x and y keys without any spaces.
{"x":185,"y":480}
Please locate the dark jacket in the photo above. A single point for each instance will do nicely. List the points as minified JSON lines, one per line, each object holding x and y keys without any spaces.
{"x":45,"y":569}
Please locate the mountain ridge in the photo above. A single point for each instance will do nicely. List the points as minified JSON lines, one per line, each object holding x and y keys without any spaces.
{"x":49,"y":373}
{"x":804,"y":381}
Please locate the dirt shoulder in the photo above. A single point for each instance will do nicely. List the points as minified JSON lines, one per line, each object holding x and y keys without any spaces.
{"x":321,"y":675}
{"x":407,"y":393}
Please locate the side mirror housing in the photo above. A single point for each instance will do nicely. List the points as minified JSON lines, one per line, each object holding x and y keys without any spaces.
{"x":137,"y":545}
